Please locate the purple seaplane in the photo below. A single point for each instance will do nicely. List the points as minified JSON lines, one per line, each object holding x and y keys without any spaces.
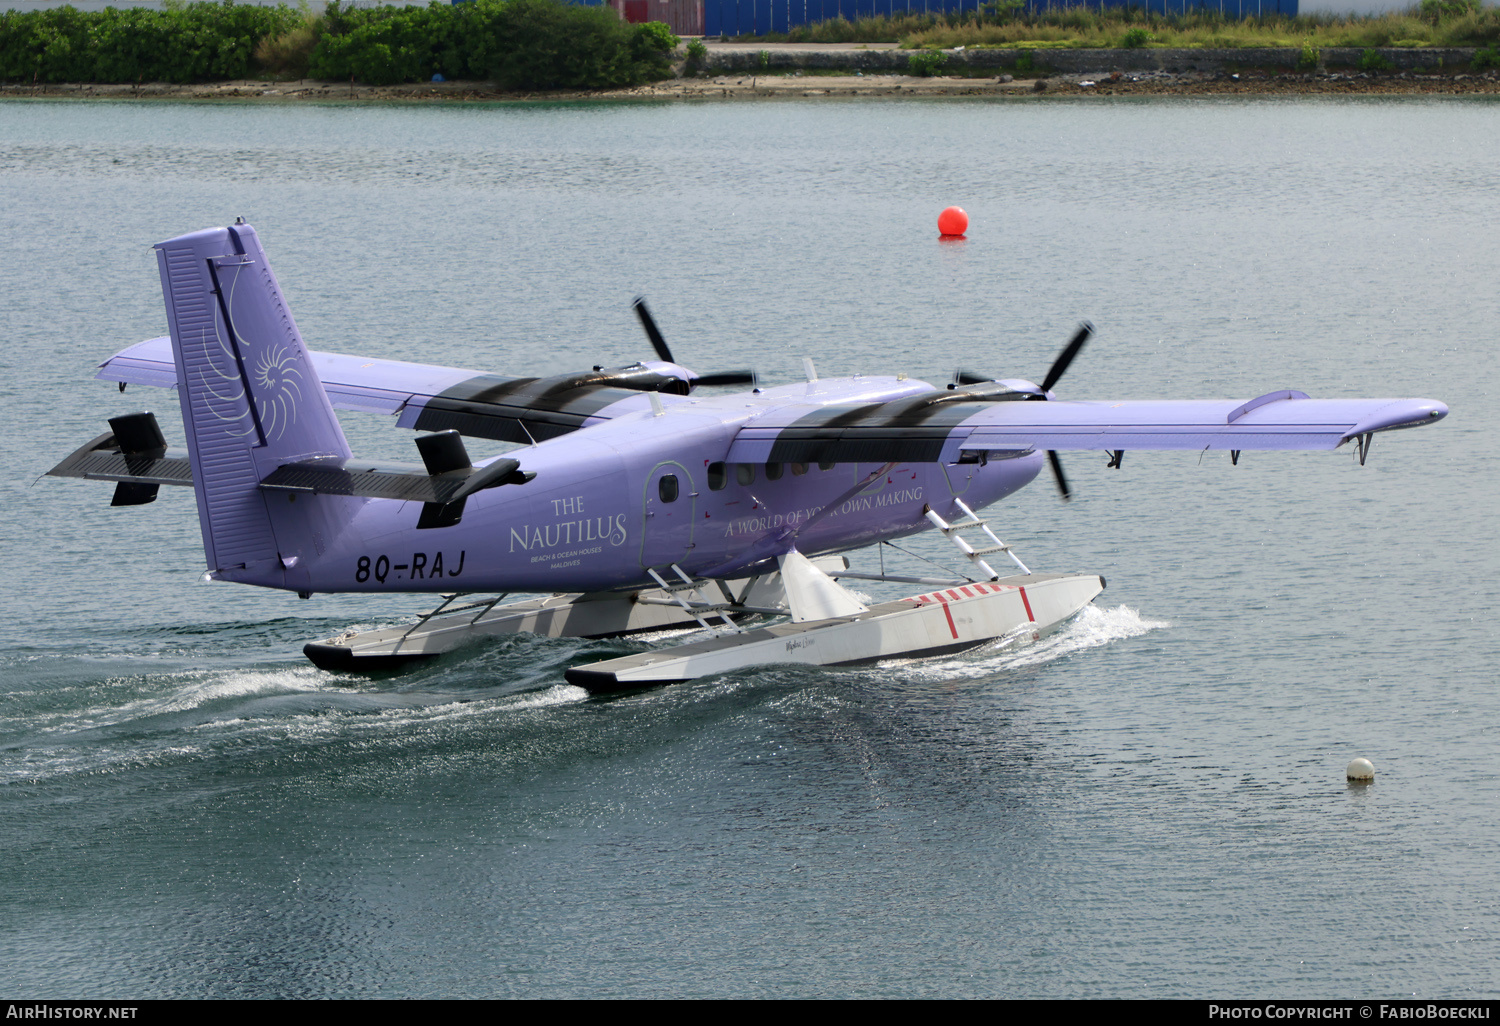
{"x":633,"y":504}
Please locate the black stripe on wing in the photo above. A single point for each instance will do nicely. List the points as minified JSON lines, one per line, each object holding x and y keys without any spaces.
{"x":533,"y":409}
{"x":911,"y":430}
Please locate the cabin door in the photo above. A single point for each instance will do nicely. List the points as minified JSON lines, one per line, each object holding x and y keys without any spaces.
{"x":669,"y":505}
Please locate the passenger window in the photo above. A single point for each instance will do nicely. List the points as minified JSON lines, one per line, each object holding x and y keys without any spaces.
{"x":773,"y":471}
{"x":798,"y":469}
{"x":718,"y":477}
{"x":744,"y":473}
{"x":824,"y":466}
{"x":667,"y":488}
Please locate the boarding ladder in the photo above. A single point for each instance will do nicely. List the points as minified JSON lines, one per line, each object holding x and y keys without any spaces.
{"x":687,"y":589}
{"x":975,"y":556}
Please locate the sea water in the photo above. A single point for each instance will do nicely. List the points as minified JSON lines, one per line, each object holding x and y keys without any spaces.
{"x":1150,"y":803}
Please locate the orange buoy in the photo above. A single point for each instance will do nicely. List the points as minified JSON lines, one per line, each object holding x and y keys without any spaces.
{"x":953,"y":221}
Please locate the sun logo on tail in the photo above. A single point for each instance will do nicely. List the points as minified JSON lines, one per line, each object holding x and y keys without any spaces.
{"x":277,"y":389}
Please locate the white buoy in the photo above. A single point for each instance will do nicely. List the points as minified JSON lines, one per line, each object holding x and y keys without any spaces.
{"x":1361,"y":771}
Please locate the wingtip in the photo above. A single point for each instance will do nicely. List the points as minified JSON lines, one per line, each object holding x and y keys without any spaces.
{"x":1400,"y":413}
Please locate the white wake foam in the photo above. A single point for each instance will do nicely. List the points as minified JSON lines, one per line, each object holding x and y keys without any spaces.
{"x":1089,"y":629}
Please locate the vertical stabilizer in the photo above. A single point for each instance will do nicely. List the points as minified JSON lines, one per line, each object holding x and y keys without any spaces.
{"x":251,"y":400}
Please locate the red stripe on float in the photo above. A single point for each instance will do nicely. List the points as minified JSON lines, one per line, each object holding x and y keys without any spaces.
{"x":949,"y":614}
{"x":1027,"y":603}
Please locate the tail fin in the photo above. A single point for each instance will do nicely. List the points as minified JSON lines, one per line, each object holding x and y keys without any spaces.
{"x":251,"y":399}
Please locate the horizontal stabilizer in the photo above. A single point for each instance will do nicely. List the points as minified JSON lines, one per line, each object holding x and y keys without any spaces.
{"x":133,"y":453}
{"x":386,"y":480}
{"x":144,"y":462}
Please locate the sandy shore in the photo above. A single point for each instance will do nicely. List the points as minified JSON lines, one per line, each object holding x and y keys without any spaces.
{"x":792,"y":86}
{"x":1159,"y":83}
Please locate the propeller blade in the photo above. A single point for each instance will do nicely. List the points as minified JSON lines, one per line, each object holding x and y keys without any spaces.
{"x":734,"y":377}
{"x":968,"y":377}
{"x":649,"y":323}
{"x":1057,"y":474}
{"x":1060,"y":365}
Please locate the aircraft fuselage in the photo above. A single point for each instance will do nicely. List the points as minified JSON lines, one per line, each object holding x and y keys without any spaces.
{"x":642,"y":490}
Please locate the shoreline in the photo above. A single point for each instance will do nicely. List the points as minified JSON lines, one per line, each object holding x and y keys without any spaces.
{"x":781,"y":71}
{"x":789,"y":87}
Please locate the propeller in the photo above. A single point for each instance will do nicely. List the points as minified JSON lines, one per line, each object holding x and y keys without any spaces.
{"x":1054,"y":374}
{"x":1058,"y":476}
{"x":1064,"y":358}
{"x":652,"y":331}
{"x":658,"y":343}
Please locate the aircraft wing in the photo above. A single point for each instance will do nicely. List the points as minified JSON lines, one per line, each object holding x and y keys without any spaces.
{"x":431,"y":398}
{"x":933,"y":428}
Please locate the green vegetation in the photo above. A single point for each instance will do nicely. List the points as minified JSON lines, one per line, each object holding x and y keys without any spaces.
{"x":287,"y":54}
{"x":926,"y":63}
{"x":553,"y":44}
{"x":518,"y":44}
{"x":194,"y":43}
{"x":1004,"y":23}
{"x":1436,"y":10}
{"x":697,"y":53}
